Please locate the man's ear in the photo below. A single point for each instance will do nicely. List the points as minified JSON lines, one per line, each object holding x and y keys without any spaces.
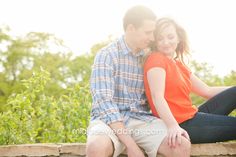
{"x":130,"y":28}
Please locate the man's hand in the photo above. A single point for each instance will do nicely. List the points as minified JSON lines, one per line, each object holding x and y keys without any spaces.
{"x":132,"y":148}
{"x":134,"y":151}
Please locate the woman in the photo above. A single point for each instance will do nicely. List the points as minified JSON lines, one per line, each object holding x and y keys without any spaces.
{"x":168,"y":83}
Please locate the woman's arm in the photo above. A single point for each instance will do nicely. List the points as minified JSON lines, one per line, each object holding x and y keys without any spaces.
{"x":202,"y":89}
{"x":156,"y":80}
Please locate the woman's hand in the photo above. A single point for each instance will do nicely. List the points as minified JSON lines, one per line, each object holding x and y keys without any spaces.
{"x":174,"y":135}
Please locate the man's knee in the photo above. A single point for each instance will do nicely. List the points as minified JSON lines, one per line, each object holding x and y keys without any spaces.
{"x":99,"y":146}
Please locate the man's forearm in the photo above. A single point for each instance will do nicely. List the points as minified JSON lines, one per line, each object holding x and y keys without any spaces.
{"x":122,"y":133}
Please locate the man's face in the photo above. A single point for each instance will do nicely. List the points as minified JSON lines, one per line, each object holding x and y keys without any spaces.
{"x":143,"y":35}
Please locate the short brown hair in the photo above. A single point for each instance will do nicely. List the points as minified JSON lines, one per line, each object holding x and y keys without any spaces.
{"x":136,"y":15}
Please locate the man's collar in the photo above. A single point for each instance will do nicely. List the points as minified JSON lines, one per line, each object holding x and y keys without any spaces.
{"x":124,"y":48}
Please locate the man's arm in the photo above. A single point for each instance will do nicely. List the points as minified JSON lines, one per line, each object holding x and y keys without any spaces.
{"x":102,"y":88}
{"x":132,"y":148}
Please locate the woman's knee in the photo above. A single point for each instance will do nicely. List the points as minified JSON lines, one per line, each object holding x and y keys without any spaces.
{"x":182,"y":150}
{"x":99,"y":146}
{"x":232,"y":89}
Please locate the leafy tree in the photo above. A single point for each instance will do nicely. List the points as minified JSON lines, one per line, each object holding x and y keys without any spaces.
{"x":24,"y":55}
{"x":44,"y":88}
{"x":35,"y":117}
{"x":52,"y":105}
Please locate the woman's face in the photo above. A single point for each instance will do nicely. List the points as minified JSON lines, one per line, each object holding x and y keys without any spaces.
{"x":167,"y":40}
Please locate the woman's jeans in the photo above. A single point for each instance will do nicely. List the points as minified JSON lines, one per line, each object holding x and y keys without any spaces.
{"x":211,"y":123}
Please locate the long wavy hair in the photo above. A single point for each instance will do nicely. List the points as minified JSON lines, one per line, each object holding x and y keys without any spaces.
{"x":182,"y":49}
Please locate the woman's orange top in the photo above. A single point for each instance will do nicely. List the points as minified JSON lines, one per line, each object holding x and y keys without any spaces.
{"x":177,"y":86}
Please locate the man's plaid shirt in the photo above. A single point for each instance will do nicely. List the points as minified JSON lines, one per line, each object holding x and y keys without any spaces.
{"x":117,"y":85}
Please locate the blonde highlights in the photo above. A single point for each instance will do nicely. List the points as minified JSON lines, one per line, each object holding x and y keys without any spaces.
{"x":183,"y":45}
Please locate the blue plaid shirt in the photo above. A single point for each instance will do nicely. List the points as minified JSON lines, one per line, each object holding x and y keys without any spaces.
{"x":117,"y":85}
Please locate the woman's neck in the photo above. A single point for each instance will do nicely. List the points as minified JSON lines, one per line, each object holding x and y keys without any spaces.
{"x":170,"y":56}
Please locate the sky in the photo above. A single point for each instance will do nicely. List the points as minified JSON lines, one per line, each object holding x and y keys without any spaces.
{"x":210,"y":24}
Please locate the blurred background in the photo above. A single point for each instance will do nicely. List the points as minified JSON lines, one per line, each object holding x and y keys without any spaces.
{"x":47,"y":48}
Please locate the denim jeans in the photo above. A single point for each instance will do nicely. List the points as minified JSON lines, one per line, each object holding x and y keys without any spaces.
{"x":211,"y":123}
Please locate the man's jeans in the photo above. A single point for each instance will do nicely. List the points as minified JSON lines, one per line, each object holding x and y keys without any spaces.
{"x":211,"y":123}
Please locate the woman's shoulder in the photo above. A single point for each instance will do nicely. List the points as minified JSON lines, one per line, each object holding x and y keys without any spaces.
{"x":155,"y":59}
{"x":156,"y":56}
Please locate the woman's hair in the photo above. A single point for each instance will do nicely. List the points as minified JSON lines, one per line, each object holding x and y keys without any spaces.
{"x":183,"y":45}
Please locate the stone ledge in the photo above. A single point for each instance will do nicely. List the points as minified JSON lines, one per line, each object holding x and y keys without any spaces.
{"x":78,"y":150}
{"x":30,"y":150}
{"x":216,"y":149}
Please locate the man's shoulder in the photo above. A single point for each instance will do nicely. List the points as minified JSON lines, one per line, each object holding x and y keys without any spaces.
{"x":111,"y":50}
{"x":111,"y":47}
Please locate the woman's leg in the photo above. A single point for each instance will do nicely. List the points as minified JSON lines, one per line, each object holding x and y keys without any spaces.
{"x":221,"y":104}
{"x":209,"y":128}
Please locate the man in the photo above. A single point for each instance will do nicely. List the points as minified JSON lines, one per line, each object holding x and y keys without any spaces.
{"x":120,"y":117}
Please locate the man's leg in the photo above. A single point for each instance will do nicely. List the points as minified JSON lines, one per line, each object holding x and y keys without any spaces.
{"x":221,"y":104}
{"x":151,"y":136}
{"x":102,"y":141}
{"x":99,"y":146}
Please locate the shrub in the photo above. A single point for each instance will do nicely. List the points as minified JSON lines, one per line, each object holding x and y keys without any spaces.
{"x":35,"y":117}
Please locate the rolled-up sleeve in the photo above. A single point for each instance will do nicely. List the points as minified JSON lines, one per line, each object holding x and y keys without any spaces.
{"x":102,"y":90}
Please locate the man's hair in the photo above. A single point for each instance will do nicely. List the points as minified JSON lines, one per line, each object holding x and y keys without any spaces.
{"x":136,"y":15}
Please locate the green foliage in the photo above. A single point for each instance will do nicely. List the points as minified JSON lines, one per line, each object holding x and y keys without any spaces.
{"x":204,"y":72}
{"x":230,"y":79}
{"x":44,"y":92}
{"x":35,"y":117}
{"x":50,"y":105}
{"x":24,"y":55}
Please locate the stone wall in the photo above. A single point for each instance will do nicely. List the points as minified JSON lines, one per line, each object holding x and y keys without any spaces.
{"x":78,"y":150}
